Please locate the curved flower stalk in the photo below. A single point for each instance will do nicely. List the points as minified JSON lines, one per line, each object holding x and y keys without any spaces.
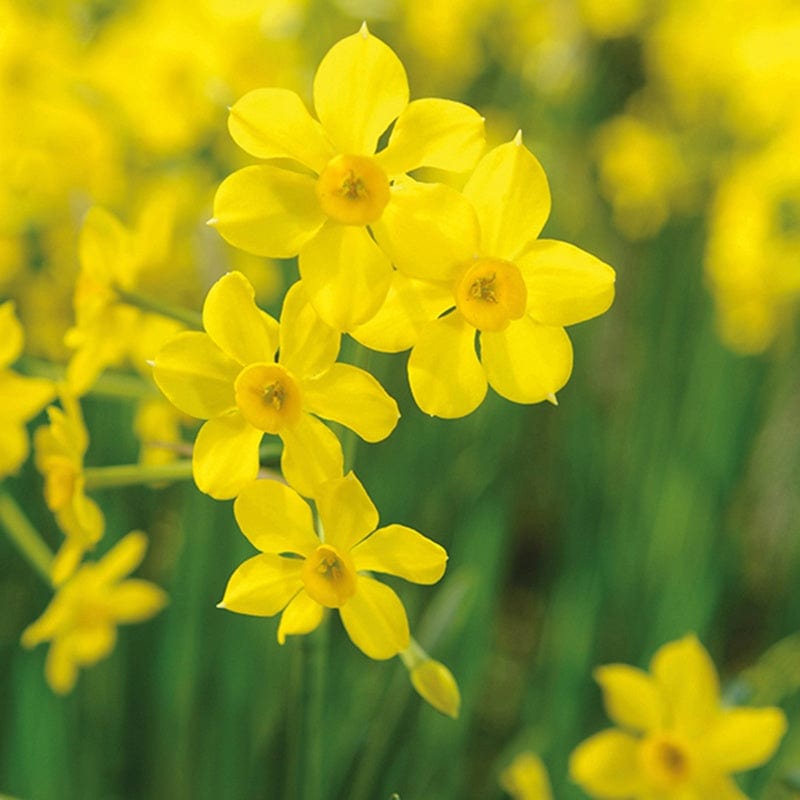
{"x":484,"y":273}
{"x":673,"y":741}
{"x":302,"y":574}
{"x":81,"y":620}
{"x":231,"y":377}
{"x":360,"y":88}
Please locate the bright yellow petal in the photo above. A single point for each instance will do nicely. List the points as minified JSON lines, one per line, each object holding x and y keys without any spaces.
{"x":302,"y":615}
{"x":135,"y":601}
{"x":23,"y":397}
{"x":510,"y":193}
{"x":354,"y":398}
{"x":275,"y":518}
{"x":434,"y":133}
{"x":196,"y":376}
{"x":345,"y":274}
{"x":91,"y":643}
{"x":744,"y":738}
{"x":225,"y":456}
{"x":525,"y":778}
{"x":236,"y":324}
{"x":375,"y":620}
{"x":122,"y":558}
{"x":346,"y":512}
{"x":565,"y":284}
{"x":12,"y":337}
{"x":60,"y":668}
{"x":105,"y":249}
{"x":359,"y":88}
{"x":527,"y":362}
{"x":66,"y":560}
{"x":631,"y":697}
{"x":263,"y":585}
{"x":720,"y":787}
{"x":398,"y":550}
{"x":428,"y":230}
{"x":14,"y":447}
{"x":311,"y":455}
{"x":267,"y":211}
{"x":308,"y":345}
{"x":444,"y":373}
{"x":56,"y":616}
{"x":607,"y":765}
{"x":274,"y":123}
{"x":689,"y":684}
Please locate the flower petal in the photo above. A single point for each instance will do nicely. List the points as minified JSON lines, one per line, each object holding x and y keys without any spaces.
{"x":398,"y":550}
{"x":345,"y":274}
{"x":135,"y":601}
{"x":196,"y":376}
{"x":263,"y":585}
{"x":607,"y":765}
{"x":743,"y":738}
{"x":527,"y":362}
{"x":428,"y":230}
{"x":510,"y":193}
{"x":375,"y":620}
{"x":14,"y":447}
{"x":12,"y":337}
{"x":105,"y":249}
{"x":302,"y":615}
{"x":434,"y":133}
{"x":346,"y":512}
{"x":631,"y":697}
{"x":274,"y":123}
{"x":225,"y":456}
{"x":93,"y":642}
{"x":354,"y":398}
{"x":565,"y":284}
{"x":311,"y":455}
{"x":275,"y":519}
{"x":444,"y":373}
{"x":122,"y":558}
{"x":60,"y":668}
{"x":308,"y":345}
{"x":359,"y":88}
{"x":23,"y":397}
{"x":236,"y":324}
{"x":267,"y":211}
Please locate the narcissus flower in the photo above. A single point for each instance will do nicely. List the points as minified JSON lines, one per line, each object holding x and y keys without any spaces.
{"x":81,"y":620}
{"x":230,"y":376}
{"x":331,"y":571}
{"x":674,"y":741}
{"x":525,"y":778}
{"x":326,"y":217}
{"x":484,"y":273}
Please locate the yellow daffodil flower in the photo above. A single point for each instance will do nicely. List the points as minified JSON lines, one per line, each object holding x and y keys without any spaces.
{"x":484,"y":271}
{"x":525,"y":778}
{"x":81,"y":620}
{"x":326,"y":217}
{"x":674,"y":740}
{"x":230,"y":376}
{"x":60,"y":448}
{"x":330,"y":571}
{"x":22,"y":398}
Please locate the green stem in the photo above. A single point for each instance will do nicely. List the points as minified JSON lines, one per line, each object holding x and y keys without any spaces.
{"x":314,"y":775}
{"x":25,"y":536}
{"x":134,"y":474}
{"x":190,"y":318}
{"x":360,"y":357}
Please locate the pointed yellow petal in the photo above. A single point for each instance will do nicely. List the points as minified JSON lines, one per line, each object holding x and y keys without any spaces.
{"x":354,"y":398}
{"x":359,"y":88}
{"x":105,"y":249}
{"x":236,"y":324}
{"x":525,"y":778}
{"x":123,"y":557}
{"x":267,"y":211}
{"x":398,"y":550}
{"x":196,"y":376}
{"x":274,"y":123}
{"x":275,"y":518}
{"x":60,"y":668}
{"x":14,"y":447}
{"x":607,"y":765}
{"x":225,"y":456}
{"x":510,"y":193}
{"x":565,"y":284}
{"x":311,"y":455}
{"x":744,"y":738}
{"x":12,"y":337}
{"x":375,"y":620}
{"x":263,"y":585}
{"x":444,"y":373}
{"x":346,"y":512}
{"x":302,"y":615}
{"x":91,"y":643}
{"x":23,"y":397}
{"x":345,"y":274}
{"x":527,"y":361}
{"x":136,"y":600}
{"x":66,"y":559}
{"x":434,"y":133}
{"x":427,"y":230}
{"x":631,"y":697}
{"x":436,"y":685}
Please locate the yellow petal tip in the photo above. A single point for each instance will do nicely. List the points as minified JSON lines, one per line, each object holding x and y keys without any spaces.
{"x":364,"y":30}
{"x":518,"y":138}
{"x":551,"y":398}
{"x":221,"y":604}
{"x":212,"y":222}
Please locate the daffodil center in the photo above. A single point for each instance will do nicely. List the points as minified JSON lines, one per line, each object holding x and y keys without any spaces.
{"x":353,"y":190}
{"x":665,"y":760}
{"x":491,"y":293}
{"x":329,"y":576}
{"x":268,"y":397}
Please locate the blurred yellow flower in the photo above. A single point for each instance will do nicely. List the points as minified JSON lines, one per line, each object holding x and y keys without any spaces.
{"x":436,"y":684}
{"x":331,"y":570}
{"x":674,"y":740}
{"x":230,"y":376}
{"x":525,"y":778}
{"x":81,"y":620}
{"x":326,"y":217}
